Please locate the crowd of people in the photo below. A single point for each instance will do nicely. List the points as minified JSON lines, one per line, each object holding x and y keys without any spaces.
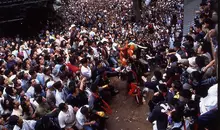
{"x":188,"y":98}
{"x":59,"y":80}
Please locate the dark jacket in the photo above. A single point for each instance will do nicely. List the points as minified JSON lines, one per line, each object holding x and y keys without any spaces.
{"x":78,"y":101}
{"x":160,"y":117}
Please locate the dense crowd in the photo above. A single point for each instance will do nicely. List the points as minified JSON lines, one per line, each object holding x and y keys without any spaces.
{"x":59,"y":80}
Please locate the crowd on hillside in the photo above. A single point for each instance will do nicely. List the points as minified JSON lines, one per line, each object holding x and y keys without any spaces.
{"x":58,"y":80}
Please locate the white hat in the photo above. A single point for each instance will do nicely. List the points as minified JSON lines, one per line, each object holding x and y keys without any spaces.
{"x":73,"y":25}
{"x":50,"y":84}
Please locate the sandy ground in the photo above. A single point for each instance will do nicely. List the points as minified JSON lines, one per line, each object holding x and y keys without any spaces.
{"x":127,"y":114}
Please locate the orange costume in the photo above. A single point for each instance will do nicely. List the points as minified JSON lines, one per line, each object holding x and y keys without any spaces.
{"x":123,"y":54}
{"x":131,"y":50}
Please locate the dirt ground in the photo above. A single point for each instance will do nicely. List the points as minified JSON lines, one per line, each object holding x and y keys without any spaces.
{"x":127,"y":114}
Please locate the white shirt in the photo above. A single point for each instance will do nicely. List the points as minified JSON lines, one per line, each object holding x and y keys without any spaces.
{"x":96,"y":54}
{"x":81,"y":43}
{"x":17,"y":112}
{"x":59,"y":98}
{"x":83,"y":31}
{"x":58,"y":41}
{"x":39,"y":51}
{"x":66,"y":119}
{"x":27,"y":125}
{"x":114,"y":46}
{"x":80,"y":117}
{"x":1,"y":108}
{"x":104,"y":40}
{"x":86,"y":71}
{"x":91,"y":57}
{"x":30,"y":92}
{"x":210,"y":101}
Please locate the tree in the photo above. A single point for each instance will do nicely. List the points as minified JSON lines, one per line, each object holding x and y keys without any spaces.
{"x":137,"y":6}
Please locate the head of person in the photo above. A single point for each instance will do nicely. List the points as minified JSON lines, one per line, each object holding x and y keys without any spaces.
{"x":73,"y":89}
{"x":189,"y":39}
{"x":200,"y":61}
{"x":195,"y":77}
{"x":85,"y":111}
{"x":94,"y":89}
{"x":176,"y":116}
{"x":11,"y":91}
{"x":58,"y":85}
{"x":215,"y":17}
{"x":201,"y":17}
{"x":38,"y":89}
{"x":158,"y":75}
{"x":72,"y":27}
{"x":177,"y":85}
{"x":63,"y":107}
{"x":33,"y":73}
{"x":2,"y":80}
{"x":59,"y":60}
{"x":84,"y":62}
{"x":2,"y":121}
{"x":15,"y":120}
{"x":198,"y":28}
{"x":204,"y":47}
{"x":173,"y":58}
{"x":50,"y":85}
{"x":177,"y":45}
{"x":90,"y":51}
{"x":16,"y":104}
{"x":162,"y":88}
{"x":185,"y":95}
{"x":208,"y":22}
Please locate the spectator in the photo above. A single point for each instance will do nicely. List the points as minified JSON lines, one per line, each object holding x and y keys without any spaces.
{"x":66,"y":117}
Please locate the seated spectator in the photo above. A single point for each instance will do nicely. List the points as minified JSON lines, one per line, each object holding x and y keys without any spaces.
{"x":20,"y":124}
{"x":66,"y":117}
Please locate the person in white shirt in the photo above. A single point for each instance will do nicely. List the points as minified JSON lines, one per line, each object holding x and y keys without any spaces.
{"x":51,"y":94}
{"x":92,"y":33}
{"x":94,"y":48}
{"x":82,"y":118}
{"x":85,"y":69}
{"x":209,"y":102}
{"x":21,"y":124}
{"x":1,"y":100}
{"x":84,"y":39}
{"x":30,"y":92}
{"x":66,"y":117}
{"x":59,"y":39}
{"x":17,"y":110}
{"x":59,"y":96}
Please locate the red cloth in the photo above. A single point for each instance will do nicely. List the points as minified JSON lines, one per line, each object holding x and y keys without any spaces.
{"x":72,"y":67}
